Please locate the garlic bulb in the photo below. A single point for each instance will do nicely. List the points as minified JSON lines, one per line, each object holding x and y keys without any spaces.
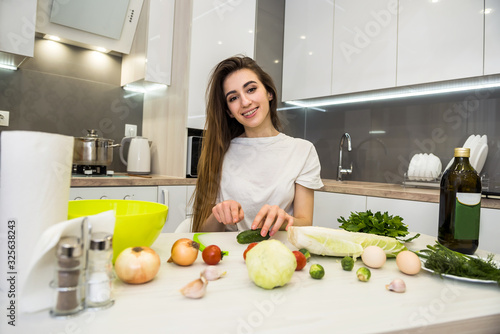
{"x":195,"y":289}
{"x":397,"y":285}
{"x":212,"y":273}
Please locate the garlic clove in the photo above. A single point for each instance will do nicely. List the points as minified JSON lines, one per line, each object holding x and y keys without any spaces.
{"x":397,"y":285}
{"x":212,"y":273}
{"x":195,"y":289}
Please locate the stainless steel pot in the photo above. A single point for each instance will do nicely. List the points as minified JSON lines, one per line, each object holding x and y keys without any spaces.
{"x":93,"y":151}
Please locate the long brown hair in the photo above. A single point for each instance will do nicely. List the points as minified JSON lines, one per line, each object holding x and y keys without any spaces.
{"x":220,"y":129}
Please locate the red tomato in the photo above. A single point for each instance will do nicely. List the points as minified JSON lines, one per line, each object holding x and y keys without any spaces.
{"x":301,"y":260}
{"x":212,"y":254}
{"x":252,"y":245}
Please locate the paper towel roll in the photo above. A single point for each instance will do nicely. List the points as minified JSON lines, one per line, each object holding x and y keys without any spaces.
{"x":35,"y":177}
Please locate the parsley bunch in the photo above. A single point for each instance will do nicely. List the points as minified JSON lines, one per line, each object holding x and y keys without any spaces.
{"x":378,"y":223}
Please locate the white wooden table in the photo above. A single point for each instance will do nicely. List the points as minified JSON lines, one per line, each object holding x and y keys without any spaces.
{"x":338,"y":303}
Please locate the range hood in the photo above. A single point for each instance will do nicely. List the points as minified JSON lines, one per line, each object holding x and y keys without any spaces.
{"x":92,"y":24}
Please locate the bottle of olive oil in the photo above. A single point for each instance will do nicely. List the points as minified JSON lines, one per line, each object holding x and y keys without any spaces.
{"x":460,"y":205}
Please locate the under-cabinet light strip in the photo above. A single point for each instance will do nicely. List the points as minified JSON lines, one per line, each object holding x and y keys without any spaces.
{"x":8,"y":67}
{"x":391,"y":95}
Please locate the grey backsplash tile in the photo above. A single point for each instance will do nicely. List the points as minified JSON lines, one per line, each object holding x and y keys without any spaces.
{"x":420,"y":125}
{"x":56,"y":104}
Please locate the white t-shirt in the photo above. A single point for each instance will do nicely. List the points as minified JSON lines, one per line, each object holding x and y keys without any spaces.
{"x":259,"y":171}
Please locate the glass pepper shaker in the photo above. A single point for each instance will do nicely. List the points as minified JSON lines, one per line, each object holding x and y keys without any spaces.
{"x":68,"y":282}
{"x":100,"y":271}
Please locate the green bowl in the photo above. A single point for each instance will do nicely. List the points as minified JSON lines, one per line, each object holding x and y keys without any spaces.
{"x":138,"y":223}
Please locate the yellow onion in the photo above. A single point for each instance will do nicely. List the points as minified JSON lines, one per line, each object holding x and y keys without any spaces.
{"x":137,"y":265}
{"x":184,"y":252}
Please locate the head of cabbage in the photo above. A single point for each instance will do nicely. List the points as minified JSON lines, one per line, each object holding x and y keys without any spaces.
{"x":270,"y":264}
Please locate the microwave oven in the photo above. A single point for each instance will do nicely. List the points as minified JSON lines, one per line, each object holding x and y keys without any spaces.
{"x":193,"y":155}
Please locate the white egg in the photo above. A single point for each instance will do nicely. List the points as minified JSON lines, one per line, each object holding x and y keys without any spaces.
{"x":373,"y":257}
{"x":408,"y":262}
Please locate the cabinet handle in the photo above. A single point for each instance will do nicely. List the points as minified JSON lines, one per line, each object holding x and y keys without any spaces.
{"x":127,"y":197}
{"x":104,"y":197}
{"x":165,"y":196}
{"x":77,"y":198}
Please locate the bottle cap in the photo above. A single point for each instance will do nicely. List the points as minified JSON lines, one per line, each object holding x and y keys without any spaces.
{"x":69,"y":247}
{"x":462,"y":152}
{"x":101,"y":241}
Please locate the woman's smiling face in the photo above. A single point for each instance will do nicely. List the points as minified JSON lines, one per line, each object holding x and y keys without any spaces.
{"x":248,"y":100}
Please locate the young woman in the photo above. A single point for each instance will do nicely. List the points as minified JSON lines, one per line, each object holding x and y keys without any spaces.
{"x":249,"y":174}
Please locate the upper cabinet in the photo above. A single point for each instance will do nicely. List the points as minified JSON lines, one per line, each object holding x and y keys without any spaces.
{"x":219,"y":30}
{"x":492,"y":37}
{"x":17,"y":27}
{"x":307,"y":49}
{"x":364,"y":45}
{"x":439,"y":40}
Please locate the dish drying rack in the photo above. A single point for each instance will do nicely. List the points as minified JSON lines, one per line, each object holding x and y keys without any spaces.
{"x":434,"y":183}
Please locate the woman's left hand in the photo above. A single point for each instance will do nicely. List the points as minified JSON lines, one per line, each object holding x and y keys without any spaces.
{"x":270,"y":215}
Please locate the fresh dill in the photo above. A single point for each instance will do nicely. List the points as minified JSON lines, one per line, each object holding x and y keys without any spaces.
{"x":444,"y":261}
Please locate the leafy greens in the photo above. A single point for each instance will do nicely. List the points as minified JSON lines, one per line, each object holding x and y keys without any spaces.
{"x":445,"y":261}
{"x":378,"y":223}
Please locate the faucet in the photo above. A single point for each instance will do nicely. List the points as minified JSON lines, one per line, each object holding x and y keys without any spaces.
{"x":340,"y":170}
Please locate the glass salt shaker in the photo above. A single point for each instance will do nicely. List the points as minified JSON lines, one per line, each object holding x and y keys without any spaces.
{"x":68,"y":282}
{"x":100,"y":271}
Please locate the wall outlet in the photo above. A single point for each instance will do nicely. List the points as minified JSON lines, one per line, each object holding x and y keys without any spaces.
{"x":130,"y":130}
{"x":4,"y":118}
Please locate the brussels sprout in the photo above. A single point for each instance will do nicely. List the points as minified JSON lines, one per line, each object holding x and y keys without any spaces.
{"x":306,"y":253}
{"x":317,"y":271}
{"x":363,"y":274}
{"x":347,"y":263}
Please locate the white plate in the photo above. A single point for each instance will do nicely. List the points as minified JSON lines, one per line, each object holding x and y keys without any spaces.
{"x":459,"y":278}
{"x":480,"y":159}
{"x":469,"y":140}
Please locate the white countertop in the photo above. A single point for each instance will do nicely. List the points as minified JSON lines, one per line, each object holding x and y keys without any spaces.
{"x":338,"y":303}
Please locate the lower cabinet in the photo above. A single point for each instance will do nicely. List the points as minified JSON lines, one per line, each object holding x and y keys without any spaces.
{"x":177,"y":198}
{"x":328,"y":207}
{"x":489,"y":230}
{"x":420,"y":217}
{"x":131,"y":193}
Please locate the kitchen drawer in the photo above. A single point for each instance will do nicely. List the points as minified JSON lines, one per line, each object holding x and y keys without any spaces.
{"x":132,"y":193}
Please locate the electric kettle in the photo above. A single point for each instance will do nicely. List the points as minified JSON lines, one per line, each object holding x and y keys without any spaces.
{"x":139,"y":156}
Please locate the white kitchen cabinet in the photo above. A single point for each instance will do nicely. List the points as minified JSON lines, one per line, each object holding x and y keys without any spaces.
{"x":421,"y":217}
{"x":307,"y":49}
{"x":364,"y":45}
{"x":130,"y":193}
{"x":439,"y":40}
{"x":219,"y":30}
{"x":177,"y":199}
{"x":489,"y":230}
{"x":17,"y":27}
{"x":328,"y":207}
{"x":492,"y":37}
{"x":150,"y":57}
